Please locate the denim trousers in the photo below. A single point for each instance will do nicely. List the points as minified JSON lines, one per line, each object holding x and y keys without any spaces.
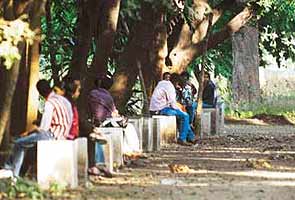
{"x":191,"y":110}
{"x":22,"y":144}
{"x":185,"y":131}
{"x":99,"y":156}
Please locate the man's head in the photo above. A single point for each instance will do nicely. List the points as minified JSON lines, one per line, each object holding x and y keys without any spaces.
{"x":104,"y":81}
{"x":175,"y":79}
{"x":72,"y":88}
{"x":43,"y":88}
{"x":166,"y":76}
{"x":206,"y":77}
{"x":185,"y":76}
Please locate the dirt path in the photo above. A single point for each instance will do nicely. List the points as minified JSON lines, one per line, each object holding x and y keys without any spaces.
{"x":236,"y":165}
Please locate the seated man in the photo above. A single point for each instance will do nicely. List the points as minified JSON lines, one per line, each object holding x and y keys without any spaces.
{"x":102,"y":107}
{"x":208,"y":92}
{"x":163,"y":101}
{"x":187,"y":96}
{"x":55,"y":124}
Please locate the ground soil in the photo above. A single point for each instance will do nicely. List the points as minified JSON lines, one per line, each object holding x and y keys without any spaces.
{"x":244,"y":162}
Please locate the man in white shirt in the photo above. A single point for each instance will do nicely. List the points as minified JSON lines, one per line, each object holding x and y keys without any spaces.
{"x":55,"y":124}
{"x":163,"y":102}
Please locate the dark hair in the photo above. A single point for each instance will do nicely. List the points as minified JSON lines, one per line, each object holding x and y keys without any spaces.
{"x":70,"y":86}
{"x":43,"y":87}
{"x":174,"y":78}
{"x":166,"y":74}
{"x":104,"y":81}
{"x":207,"y":73}
{"x":185,"y":74}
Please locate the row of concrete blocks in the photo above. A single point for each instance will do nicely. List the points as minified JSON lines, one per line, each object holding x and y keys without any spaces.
{"x":66,"y":162}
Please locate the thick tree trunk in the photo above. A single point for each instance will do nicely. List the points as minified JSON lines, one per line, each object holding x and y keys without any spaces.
{"x":8,"y":96}
{"x":147,"y":46}
{"x":105,"y":34}
{"x":245,"y":65}
{"x":97,"y":21}
{"x":84,"y":33}
{"x":191,"y":45}
{"x":13,"y":10}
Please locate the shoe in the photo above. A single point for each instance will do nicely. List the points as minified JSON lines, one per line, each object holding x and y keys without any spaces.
{"x":194,"y":141}
{"x":183,"y":143}
{"x":6,"y":173}
{"x":98,"y":138}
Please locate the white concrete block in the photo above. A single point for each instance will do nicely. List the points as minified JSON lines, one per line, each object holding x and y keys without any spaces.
{"x":166,"y":126}
{"x":108,"y":153}
{"x":138,"y":124}
{"x":82,"y":158}
{"x":57,"y":163}
{"x":147,"y":134}
{"x":116,"y":137}
{"x":205,"y":124}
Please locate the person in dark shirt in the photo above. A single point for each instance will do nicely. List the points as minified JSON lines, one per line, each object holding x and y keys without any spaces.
{"x":208,"y":92}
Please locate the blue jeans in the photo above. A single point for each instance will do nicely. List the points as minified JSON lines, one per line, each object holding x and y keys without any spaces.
{"x":99,"y":156}
{"x":15,"y":160}
{"x":185,"y":131}
{"x":191,"y":110}
{"x":205,"y":105}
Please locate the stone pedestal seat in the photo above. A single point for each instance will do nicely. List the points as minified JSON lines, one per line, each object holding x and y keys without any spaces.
{"x":64,"y":162}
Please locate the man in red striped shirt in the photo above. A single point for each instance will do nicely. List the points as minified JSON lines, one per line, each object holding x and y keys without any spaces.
{"x":55,"y":124}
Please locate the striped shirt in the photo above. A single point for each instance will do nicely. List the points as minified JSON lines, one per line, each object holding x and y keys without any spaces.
{"x":57,"y":117}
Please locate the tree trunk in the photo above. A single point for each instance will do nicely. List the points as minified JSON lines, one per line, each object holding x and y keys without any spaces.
{"x":7,"y":98}
{"x":148,"y":45}
{"x":191,"y":45}
{"x":245,"y":65}
{"x":84,"y":32}
{"x":106,"y":30}
{"x":13,"y":10}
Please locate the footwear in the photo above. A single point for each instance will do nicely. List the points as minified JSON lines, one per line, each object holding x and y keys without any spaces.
{"x":6,"y":173}
{"x":183,"y":143}
{"x":194,"y":141}
{"x":98,"y":138}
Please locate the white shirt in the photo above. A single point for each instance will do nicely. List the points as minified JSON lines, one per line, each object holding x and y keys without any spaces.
{"x":163,"y":96}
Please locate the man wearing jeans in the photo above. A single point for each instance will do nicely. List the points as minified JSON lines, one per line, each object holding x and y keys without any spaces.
{"x":163,"y":102}
{"x":56,"y":123}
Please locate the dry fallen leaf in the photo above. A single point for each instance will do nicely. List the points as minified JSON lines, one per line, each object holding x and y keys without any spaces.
{"x":175,"y":168}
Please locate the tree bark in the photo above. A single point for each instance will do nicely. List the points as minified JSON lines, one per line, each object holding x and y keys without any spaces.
{"x":13,"y":10}
{"x":7,"y":99}
{"x":191,"y":45}
{"x":148,"y":45}
{"x":245,"y":65}
{"x":105,"y":34}
{"x":84,"y":33}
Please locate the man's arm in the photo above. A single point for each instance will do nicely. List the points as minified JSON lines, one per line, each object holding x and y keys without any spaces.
{"x":47,"y":116}
{"x":171,"y":96}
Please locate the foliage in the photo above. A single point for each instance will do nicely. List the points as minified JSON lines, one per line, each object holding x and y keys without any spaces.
{"x":277,"y":28}
{"x":11,"y":34}
{"x":60,"y":38}
{"x":20,"y":189}
{"x":274,"y":105}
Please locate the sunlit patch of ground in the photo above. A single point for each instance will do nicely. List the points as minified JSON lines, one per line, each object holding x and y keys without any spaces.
{"x":221,"y":167}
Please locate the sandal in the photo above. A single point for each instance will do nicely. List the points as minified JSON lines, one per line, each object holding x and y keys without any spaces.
{"x":104,"y":171}
{"x":94,"y":171}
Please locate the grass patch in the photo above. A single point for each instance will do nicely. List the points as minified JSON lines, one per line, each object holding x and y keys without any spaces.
{"x":276,"y":106}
